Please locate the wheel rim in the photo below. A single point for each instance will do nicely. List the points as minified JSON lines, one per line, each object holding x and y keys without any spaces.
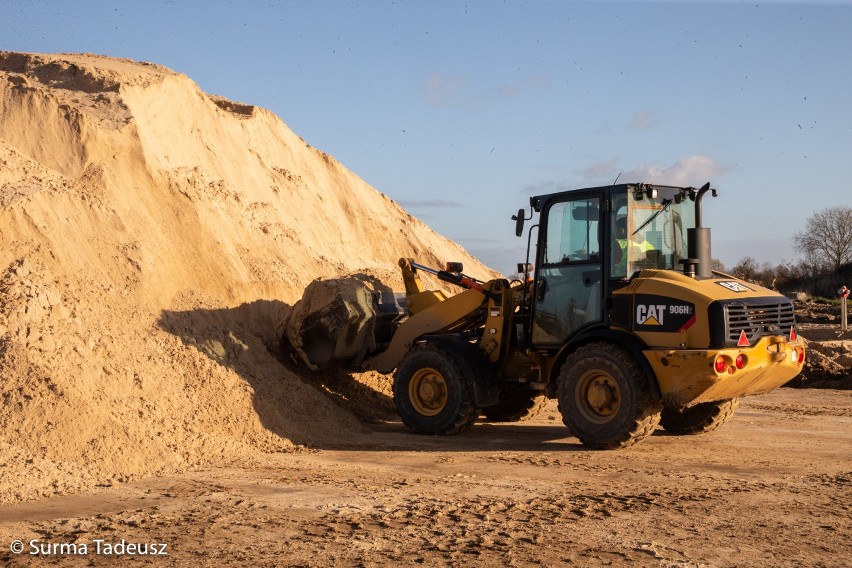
{"x":427,"y":391}
{"x":597,"y":396}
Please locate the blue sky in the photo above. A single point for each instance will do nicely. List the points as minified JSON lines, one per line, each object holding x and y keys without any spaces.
{"x":462,"y":110}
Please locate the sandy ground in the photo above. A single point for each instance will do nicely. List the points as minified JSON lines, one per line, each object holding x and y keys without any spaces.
{"x":772,"y":487}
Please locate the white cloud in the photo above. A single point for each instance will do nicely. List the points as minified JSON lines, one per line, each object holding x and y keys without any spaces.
{"x":693,"y":170}
{"x":690,"y":171}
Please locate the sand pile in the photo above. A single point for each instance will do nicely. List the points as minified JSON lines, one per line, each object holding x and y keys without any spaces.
{"x":150,"y":237}
{"x":829,"y":358}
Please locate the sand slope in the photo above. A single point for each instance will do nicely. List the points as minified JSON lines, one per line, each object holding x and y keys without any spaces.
{"x":150,"y":235}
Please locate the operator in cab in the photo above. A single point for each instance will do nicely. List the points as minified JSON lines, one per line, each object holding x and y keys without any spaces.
{"x":639,"y":246}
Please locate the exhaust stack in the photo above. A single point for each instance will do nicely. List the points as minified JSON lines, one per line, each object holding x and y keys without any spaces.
{"x":700,"y":261}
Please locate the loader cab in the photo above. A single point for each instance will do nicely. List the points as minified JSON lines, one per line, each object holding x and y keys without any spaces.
{"x":568,"y":284}
{"x":591,"y":242}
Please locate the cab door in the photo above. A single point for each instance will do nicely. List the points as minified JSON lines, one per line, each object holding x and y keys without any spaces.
{"x":569,"y":270}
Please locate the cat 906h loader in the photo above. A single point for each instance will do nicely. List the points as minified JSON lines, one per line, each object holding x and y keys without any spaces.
{"x":622,"y":320}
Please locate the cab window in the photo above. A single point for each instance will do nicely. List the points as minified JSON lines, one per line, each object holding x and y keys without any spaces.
{"x":572,"y":232}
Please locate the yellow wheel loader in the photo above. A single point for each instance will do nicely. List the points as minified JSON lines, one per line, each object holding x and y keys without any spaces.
{"x":622,"y":320}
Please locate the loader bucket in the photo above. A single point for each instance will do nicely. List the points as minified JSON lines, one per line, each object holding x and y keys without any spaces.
{"x":339,"y":322}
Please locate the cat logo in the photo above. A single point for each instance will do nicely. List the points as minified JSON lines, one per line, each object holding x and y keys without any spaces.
{"x":660,"y":314}
{"x":653,"y":314}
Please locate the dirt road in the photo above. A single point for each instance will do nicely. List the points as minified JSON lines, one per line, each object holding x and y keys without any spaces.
{"x":772,"y":487}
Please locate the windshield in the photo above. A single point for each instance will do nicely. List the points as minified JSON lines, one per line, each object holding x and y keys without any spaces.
{"x":649,"y":231}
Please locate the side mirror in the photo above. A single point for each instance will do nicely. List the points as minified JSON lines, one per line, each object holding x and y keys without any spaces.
{"x":519,"y":222}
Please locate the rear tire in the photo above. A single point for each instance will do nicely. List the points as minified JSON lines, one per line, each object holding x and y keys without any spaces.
{"x":515,"y":406}
{"x":698,"y":419}
{"x":432,"y":392}
{"x":605,"y":399}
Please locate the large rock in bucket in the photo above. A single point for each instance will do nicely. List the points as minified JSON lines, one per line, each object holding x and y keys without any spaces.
{"x":340,"y":322}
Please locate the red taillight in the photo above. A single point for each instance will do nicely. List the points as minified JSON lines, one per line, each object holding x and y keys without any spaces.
{"x":741,"y":361}
{"x":801,"y":358}
{"x":720,"y":364}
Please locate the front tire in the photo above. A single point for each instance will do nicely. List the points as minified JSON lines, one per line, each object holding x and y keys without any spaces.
{"x":698,"y":419}
{"x":605,"y":399}
{"x":432,"y":392}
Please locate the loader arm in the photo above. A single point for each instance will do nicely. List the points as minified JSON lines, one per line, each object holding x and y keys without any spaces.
{"x":455,"y":313}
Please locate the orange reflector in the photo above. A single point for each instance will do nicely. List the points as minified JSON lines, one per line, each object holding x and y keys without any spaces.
{"x":743,"y":341}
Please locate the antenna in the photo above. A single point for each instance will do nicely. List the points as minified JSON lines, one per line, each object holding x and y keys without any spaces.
{"x":618,"y":176}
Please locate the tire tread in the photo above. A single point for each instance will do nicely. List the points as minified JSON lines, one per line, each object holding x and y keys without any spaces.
{"x":648,"y":416}
{"x":711,"y":416}
{"x":515,"y":410}
{"x":468,"y":411}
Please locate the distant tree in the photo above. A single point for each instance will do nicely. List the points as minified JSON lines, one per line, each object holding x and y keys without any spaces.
{"x":827,"y":237}
{"x":786,"y":274}
{"x":768,"y":276}
{"x":717,"y":266}
{"x":745,"y":269}
{"x":806,"y":276}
